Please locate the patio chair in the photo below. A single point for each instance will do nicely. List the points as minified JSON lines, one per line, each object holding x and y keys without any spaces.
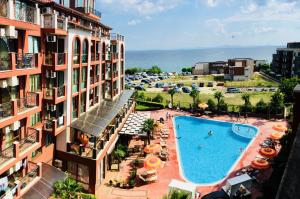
{"x":149,"y":180}
{"x":164,"y":136}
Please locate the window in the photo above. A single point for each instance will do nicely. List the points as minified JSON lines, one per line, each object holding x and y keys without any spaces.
{"x":83,"y":77}
{"x":75,"y":80}
{"x":35,"y":83}
{"x":35,"y":118}
{"x":66,"y":3}
{"x":83,"y":102}
{"x":79,"y":3}
{"x":74,"y":107}
{"x":36,"y":152}
{"x":49,"y":139}
{"x":33,"y":44}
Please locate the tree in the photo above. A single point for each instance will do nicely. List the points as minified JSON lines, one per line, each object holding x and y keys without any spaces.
{"x":132,"y":71}
{"x":178,"y":194}
{"x":287,"y":88}
{"x":148,"y":127}
{"x":277,"y":102}
{"x":263,"y":67}
{"x":158,"y":98}
{"x":261,"y":107}
{"x":247,"y":107}
{"x":155,"y":70}
{"x":218,"y":95}
{"x":194,"y":94}
{"x":211,"y":105}
{"x":67,"y":189}
{"x":172,"y":92}
{"x":184,"y":70}
{"x":246,"y":98}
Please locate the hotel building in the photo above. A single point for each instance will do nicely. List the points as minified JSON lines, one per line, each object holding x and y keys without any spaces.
{"x":62,"y":97}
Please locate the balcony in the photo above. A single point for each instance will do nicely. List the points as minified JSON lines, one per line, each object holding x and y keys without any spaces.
{"x":26,"y":60}
{"x":115,"y":74}
{"x":24,"y":12}
{"x":114,"y":56}
{"x":6,"y":109}
{"x":54,"y":93}
{"x":56,"y":59}
{"x":6,"y":62}
{"x":53,"y":21}
{"x":54,"y":125}
{"x":76,"y":59}
{"x":31,"y":100}
{"x":83,"y":85}
{"x":84,"y":58}
{"x":75,"y":88}
{"x":92,"y":80}
{"x":116,"y":37}
{"x":19,"y":147}
{"x":115,"y":92}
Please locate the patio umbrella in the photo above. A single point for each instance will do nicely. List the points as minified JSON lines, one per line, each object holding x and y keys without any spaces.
{"x":203,"y":106}
{"x":268,"y":152}
{"x":152,"y":162}
{"x":152,"y":148}
{"x":260,"y":164}
{"x":279,"y":127}
{"x":276,"y":135}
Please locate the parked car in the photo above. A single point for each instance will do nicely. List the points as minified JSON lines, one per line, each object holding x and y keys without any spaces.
{"x":258,"y":89}
{"x":159,"y":85}
{"x":272,"y":89}
{"x":179,"y":85}
{"x":233,"y":90}
{"x":165,"y":88}
{"x":201,"y":84}
{"x":139,"y":88}
{"x":210,"y":84}
{"x":195,"y":77}
{"x":186,"y":89}
{"x":220,"y":84}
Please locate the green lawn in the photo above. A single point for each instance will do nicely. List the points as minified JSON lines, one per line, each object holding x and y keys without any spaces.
{"x":256,"y":81}
{"x":232,"y":99}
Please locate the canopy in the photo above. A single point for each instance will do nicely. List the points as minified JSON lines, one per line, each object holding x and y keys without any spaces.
{"x":152,"y":162}
{"x":188,"y":187}
{"x":95,"y":121}
{"x":152,"y":148}
{"x":279,"y":127}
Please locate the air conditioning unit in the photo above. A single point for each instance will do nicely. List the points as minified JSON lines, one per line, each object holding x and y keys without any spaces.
{"x":13,"y":81}
{"x":47,"y":10}
{"x":51,"y":38}
{"x":15,"y":126}
{"x":53,"y":74}
{"x":6,"y":130}
{"x":3,"y":83}
{"x":58,"y":163}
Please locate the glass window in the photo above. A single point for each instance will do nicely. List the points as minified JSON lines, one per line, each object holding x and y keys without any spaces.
{"x":83,"y":102}
{"x":79,"y":3}
{"x":33,"y":44}
{"x":35,"y":83}
{"x":49,"y":139}
{"x":66,"y":3}
{"x":35,"y":118}
{"x":83,"y":78}
{"x":36,"y":152}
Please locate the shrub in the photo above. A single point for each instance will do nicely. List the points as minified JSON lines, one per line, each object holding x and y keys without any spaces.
{"x":276,"y":104}
{"x":261,"y":107}
{"x":223,"y":106}
{"x":158,"y":98}
{"x":87,"y":196}
{"x":141,"y":96}
{"x":211,"y":105}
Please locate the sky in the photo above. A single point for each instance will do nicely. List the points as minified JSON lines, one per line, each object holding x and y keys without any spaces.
{"x":192,"y":24}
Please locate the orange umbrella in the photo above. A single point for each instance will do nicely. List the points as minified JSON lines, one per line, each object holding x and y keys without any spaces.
{"x":276,"y":135}
{"x":279,"y":127}
{"x":260,"y":164}
{"x":203,"y":105}
{"x":152,"y":148}
{"x":152,"y":162}
{"x":268,"y":152}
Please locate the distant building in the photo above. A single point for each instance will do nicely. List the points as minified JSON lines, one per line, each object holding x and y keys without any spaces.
{"x":239,"y":69}
{"x":205,"y":68}
{"x":258,"y":62}
{"x":286,"y":61}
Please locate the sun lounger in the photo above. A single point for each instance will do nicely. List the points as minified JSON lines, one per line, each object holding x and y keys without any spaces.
{"x":165,"y":136}
{"x":150,"y":179}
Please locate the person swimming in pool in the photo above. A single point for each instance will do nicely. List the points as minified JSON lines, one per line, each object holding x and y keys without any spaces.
{"x":177,"y":126}
{"x":241,"y":150}
{"x":210,"y":133}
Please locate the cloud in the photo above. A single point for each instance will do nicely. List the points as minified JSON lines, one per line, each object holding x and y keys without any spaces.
{"x":216,"y":25}
{"x":259,"y":30}
{"x":212,"y":3}
{"x":134,"y":22}
{"x":143,"y":7}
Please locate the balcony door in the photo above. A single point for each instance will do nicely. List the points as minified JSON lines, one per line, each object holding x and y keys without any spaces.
{"x":60,"y":45}
{"x":4,"y":59}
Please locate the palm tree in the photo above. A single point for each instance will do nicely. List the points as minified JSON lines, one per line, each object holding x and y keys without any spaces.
{"x":172,"y":92}
{"x":67,"y":189}
{"x":194,"y":94}
{"x":148,"y":127}
{"x":218,"y":95}
{"x":246,"y":98}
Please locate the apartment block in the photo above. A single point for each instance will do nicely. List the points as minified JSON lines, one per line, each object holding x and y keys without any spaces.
{"x":62,"y":97}
{"x":205,"y":68}
{"x":239,"y":69}
{"x":286,"y":61}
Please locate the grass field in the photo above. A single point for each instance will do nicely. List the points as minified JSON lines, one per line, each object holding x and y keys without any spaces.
{"x":256,"y":81}
{"x":232,"y":99}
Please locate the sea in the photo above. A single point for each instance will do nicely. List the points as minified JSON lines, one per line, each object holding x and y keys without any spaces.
{"x":175,"y":60}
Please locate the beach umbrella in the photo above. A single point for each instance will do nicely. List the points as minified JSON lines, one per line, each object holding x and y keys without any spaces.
{"x":260,"y":164}
{"x":203,"y":105}
{"x":268,"y":152}
{"x":276,"y":135}
{"x":279,"y":127}
{"x":152,"y":148}
{"x":152,"y":162}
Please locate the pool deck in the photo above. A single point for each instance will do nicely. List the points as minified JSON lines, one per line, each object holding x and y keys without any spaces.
{"x":170,"y":169}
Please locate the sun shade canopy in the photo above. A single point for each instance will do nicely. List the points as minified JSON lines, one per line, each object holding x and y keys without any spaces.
{"x":95,"y":121}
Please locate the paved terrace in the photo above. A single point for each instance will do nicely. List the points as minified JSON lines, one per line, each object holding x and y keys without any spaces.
{"x":170,"y":170}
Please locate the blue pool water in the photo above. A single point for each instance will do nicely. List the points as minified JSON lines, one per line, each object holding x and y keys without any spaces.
{"x":207,"y":159}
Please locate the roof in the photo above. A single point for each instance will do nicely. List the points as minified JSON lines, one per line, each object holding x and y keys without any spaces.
{"x":183,"y":186}
{"x":239,"y":179}
{"x":297,"y":89}
{"x":43,"y":188}
{"x":95,"y":121}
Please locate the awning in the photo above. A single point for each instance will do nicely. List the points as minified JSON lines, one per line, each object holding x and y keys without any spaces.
{"x":112,"y":146}
{"x":95,"y":121}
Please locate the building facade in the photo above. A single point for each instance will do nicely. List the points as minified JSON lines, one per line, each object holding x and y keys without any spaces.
{"x":286,"y":61}
{"x":58,"y":62}
{"x":239,"y":69}
{"x":205,"y":68}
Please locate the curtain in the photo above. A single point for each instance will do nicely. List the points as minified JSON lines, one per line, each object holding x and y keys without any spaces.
{"x":33,"y":44}
{"x":35,"y":118}
{"x":35,"y":83}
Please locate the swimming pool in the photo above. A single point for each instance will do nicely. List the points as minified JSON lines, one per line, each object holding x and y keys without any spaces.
{"x":204,"y":158}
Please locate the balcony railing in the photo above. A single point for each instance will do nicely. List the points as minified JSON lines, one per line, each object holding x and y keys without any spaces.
{"x":115,"y":74}
{"x":31,"y":139}
{"x":115,"y":36}
{"x":6,"y":154}
{"x":30,"y":176}
{"x":10,"y":192}
{"x":93,"y":57}
{"x":6,"y":61}
{"x":29,"y":102}
{"x":24,"y":12}
{"x":55,"y":58}
{"x":92,"y":80}
{"x":114,"y":55}
{"x":83,"y":84}
{"x":6,"y":109}
{"x":26,"y":60}
{"x":60,"y":23}
{"x":75,"y":88}
{"x":93,"y":11}
{"x":97,"y":56}
{"x":76,"y":59}
{"x":50,"y":92}
{"x":52,"y":124}
{"x":61,"y":91}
